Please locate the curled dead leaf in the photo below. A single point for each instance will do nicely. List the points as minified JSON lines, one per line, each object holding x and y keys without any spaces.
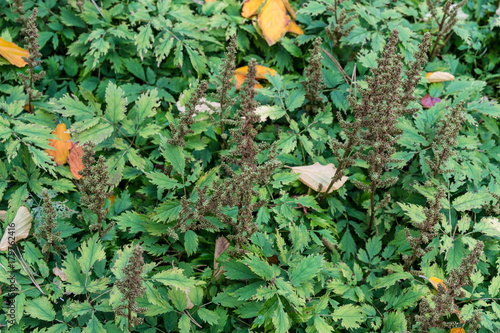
{"x":318,"y":177}
{"x":75,"y":160}
{"x":13,"y":53}
{"x":61,"y":145}
{"x":20,"y":229}
{"x":435,"y":77}
{"x":2,"y":214}
{"x":59,"y":273}
{"x":221,"y":245}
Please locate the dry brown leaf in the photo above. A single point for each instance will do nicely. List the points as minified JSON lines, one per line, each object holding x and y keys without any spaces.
{"x":435,"y":77}
{"x":250,"y":7}
{"x":58,"y":272}
{"x":2,"y":214}
{"x":75,"y":160}
{"x":13,"y":53}
{"x":221,"y":245}
{"x":295,"y":29}
{"x":21,"y":228}
{"x":274,"y":21}
{"x":318,"y":177}
{"x":61,"y":145}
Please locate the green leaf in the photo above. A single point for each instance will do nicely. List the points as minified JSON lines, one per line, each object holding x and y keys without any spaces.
{"x":72,"y":106}
{"x":414,"y":212}
{"x":280,"y":320}
{"x":162,"y":180}
{"x":145,"y":106}
{"x":307,"y":269}
{"x":41,"y":308}
{"x":471,"y":200}
{"x":391,"y":279}
{"x":198,"y":61}
{"x":184,"y":324}
{"x":96,"y":134}
{"x":259,"y":267}
{"x":295,"y":99}
{"x":163,"y":49}
{"x":175,"y":156}
{"x":76,"y":280}
{"x":350,"y":315}
{"x":208,"y":316}
{"x":190,"y":242}
{"x":116,"y":103}
{"x":76,"y":309}
{"x":92,"y":251}
{"x":94,"y":326}
{"x":272,"y":111}
{"x":178,"y":298}
{"x":144,"y":40}
{"x":234,"y":270}
{"x":321,"y":325}
{"x":174,"y":277}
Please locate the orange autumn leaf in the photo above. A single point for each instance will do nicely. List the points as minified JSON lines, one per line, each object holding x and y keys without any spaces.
{"x":61,"y":145}
{"x":295,"y":29}
{"x":261,"y":71}
{"x":457,"y":330}
{"x":75,"y":160}
{"x":435,"y":282}
{"x":274,"y":21}
{"x":289,"y":9}
{"x":13,"y":53}
{"x":250,"y":7}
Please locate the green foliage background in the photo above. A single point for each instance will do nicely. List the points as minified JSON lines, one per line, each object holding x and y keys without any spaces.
{"x":114,"y":77}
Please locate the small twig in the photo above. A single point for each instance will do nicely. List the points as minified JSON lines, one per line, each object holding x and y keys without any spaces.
{"x":96,"y":6}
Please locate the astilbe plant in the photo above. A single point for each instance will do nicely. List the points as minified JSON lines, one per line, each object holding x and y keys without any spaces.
{"x":386,"y":98}
{"x":95,"y":187}
{"x":445,"y":140}
{"x":431,"y":316}
{"x":224,"y":86}
{"x":243,"y":171}
{"x":445,"y":23}
{"x":426,"y":228}
{"x":186,"y":119}
{"x":131,"y":287}
{"x":45,"y":231}
{"x":30,"y":32}
{"x":342,"y":19}
{"x":314,"y":82}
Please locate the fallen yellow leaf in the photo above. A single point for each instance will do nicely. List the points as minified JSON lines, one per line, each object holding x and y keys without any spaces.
{"x":289,"y":9}
{"x":21,"y":226}
{"x":435,"y":77}
{"x":13,"y":53}
{"x":274,"y":21}
{"x":295,"y":29}
{"x":262,"y":71}
{"x":457,"y":330}
{"x":250,"y":7}
{"x":61,"y":145}
{"x":318,"y":177}
{"x":435,"y":282}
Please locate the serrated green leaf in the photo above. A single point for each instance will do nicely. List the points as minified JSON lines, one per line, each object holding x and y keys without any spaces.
{"x":40,"y":308}
{"x":190,"y":242}
{"x":174,"y":277}
{"x":92,"y":251}
{"x":306,"y":270}
{"x":350,"y":315}
{"x":116,"y":103}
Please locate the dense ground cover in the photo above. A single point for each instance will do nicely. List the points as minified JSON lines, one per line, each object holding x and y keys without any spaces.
{"x":303,"y":166}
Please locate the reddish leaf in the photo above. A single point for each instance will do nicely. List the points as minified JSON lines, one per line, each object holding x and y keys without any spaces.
{"x":75,"y":160}
{"x":427,"y":101}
